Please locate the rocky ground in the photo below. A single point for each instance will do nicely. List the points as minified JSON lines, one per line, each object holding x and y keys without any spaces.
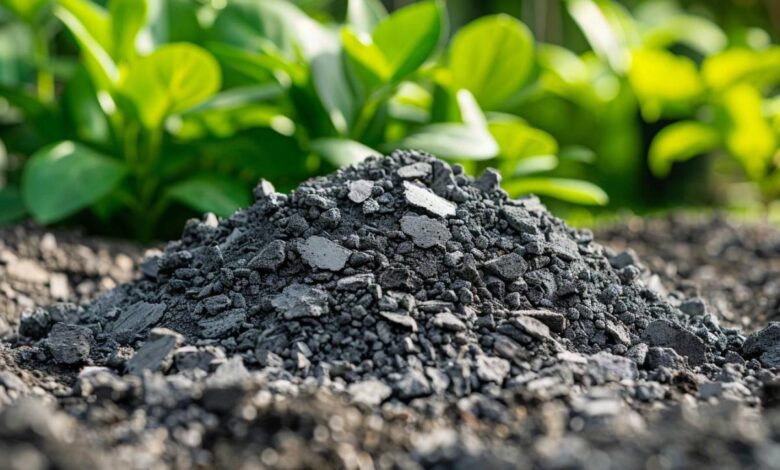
{"x":586,"y":409}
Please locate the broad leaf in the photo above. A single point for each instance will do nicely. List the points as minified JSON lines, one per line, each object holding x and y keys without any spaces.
{"x":537,"y":164}
{"x":11,"y":205}
{"x":679,"y":142}
{"x":62,"y":179}
{"x":16,"y":54}
{"x":493,"y":58}
{"x":517,"y":140}
{"x":576,"y":191}
{"x":451,"y":140}
{"x":609,"y":29}
{"x":127,"y":19}
{"x":96,"y":56}
{"x":742,"y":65}
{"x":661,"y":79}
{"x":409,"y":36}
{"x":749,"y":136}
{"x":365,"y":60}
{"x":364,"y":15}
{"x":342,"y":152}
{"x":172,"y":79}
{"x":223,"y":197}
{"x":93,"y":17}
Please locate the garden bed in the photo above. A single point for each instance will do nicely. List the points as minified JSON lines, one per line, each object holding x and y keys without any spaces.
{"x":593,"y":411}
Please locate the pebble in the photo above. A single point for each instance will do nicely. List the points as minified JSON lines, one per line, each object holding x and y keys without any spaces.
{"x":270,"y":257}
{"x":321,"y":253}
{"x":69,"y":344}
{"x":360,"y":190}
{"x":425,"y":199}
{"x":666,"y":334}
{"x":425,"y":231}
{"x":299,"y":300}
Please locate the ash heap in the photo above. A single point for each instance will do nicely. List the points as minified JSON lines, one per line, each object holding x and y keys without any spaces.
{"x":400,"y":277}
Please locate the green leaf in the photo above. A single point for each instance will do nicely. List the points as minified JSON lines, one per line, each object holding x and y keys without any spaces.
{"x":661,"y":79}
{"x":364,"y":15}
{"x":16,"y":54}
{"x":11,"y":205}
{"x":127,"y":19}
{"x":470,"y":112}
{"x":493,"y":58}
{"x":577,"y":153}
{"x":517,"y":140}
{"x":679,"y":142}
{"x":93,"y":17}
{"x":742,"y":65}
{"x":451,"y":140}
{"x":27,"y":10}
{"x":576,"y":191}
{"x":749,"y":136}
{"x":609,"y":29}
{"x":223,"y":197}
{"x":365,"y":60}
{"x":409,"y":36}
{"x":82,"y":108}
{"x":62,"y":179}
{"x":172,"y":79}
{"x":537,"y":164}
{"x":96,"y":57}
{"x":342,"y":152}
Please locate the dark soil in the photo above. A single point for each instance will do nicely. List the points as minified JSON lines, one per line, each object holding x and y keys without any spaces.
{"x":565,"y":401}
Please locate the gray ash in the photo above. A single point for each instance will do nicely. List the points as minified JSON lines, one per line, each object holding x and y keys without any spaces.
{"x":401,"y":269}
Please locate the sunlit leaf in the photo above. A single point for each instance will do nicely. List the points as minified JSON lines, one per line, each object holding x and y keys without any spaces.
{"x":493,"y":58}
{"x":517,"y":140}
{"x":16,"y":54}
{"x":364,"y":15}
{"x":451,"y":140}
{"x":93,"y":17}
{"x":172,"y":79}
{"x":679,"y":142}
{"x":127,"y":19}
{"x":537,"y":164}
{"x":409,"y":36}
{"x":749,"y":136}
{"x":91,"y":42}
{"x":221,"y":196}
{"x":62,"y":179}
{"x":660,"y":78}
{"x":577,"y":153}
{"x":576,"y":191}
{"x":742,"y":65}
{"x":365,"y":60}
{"x":609,"y":29}
{"x":470,"y":112}
{"x":342,"y":152}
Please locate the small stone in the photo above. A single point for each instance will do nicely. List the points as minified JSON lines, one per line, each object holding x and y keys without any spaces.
{"x":425,"y":199}
{"x":693,"y":307}
{"x":415,"y":170}
{"x":624,"y":259}
{"x":763,"y":340}
{"x":492,"y":369}
{"x":448,"y":321}
{"x":666,"y":334}
{"x":664,"y":357}
{"x":532,"y":327}
{"x":270,"y":257}
{"x":370,"y":392}
{"x":360,"y":190}
{"x":412,"y":385}
{"x":216,"y":304}
{"x":300,"y":300}
{"x":355,"y":282}
{"x":425,"y":231}
{"x":191,"y":357}
{"x":509,"y":267}
{"x":222,"y":324}
{"x":771,"y":358}
{"x":321,"y":253}
{"x":400,"y":319}
{"x":69,"y":344}
{"x":137,"y":318}
{"x":27,"y":270}
{"x":489,"y":181}
{"x":618,"y":332}
{"x":555,"y":321}
{"x":519,"y":219}
{"x":606,"y":367}
{"x":156,"y":354}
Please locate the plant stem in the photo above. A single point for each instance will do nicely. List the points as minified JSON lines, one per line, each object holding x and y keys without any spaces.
{"x":369,"y":109}
{"x":45,"y":79}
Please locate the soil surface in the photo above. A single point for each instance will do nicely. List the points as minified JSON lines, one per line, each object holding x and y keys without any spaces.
{"x":599,"y":413}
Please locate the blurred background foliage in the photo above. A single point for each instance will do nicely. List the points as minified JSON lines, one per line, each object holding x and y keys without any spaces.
{"x":128,"y":116}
